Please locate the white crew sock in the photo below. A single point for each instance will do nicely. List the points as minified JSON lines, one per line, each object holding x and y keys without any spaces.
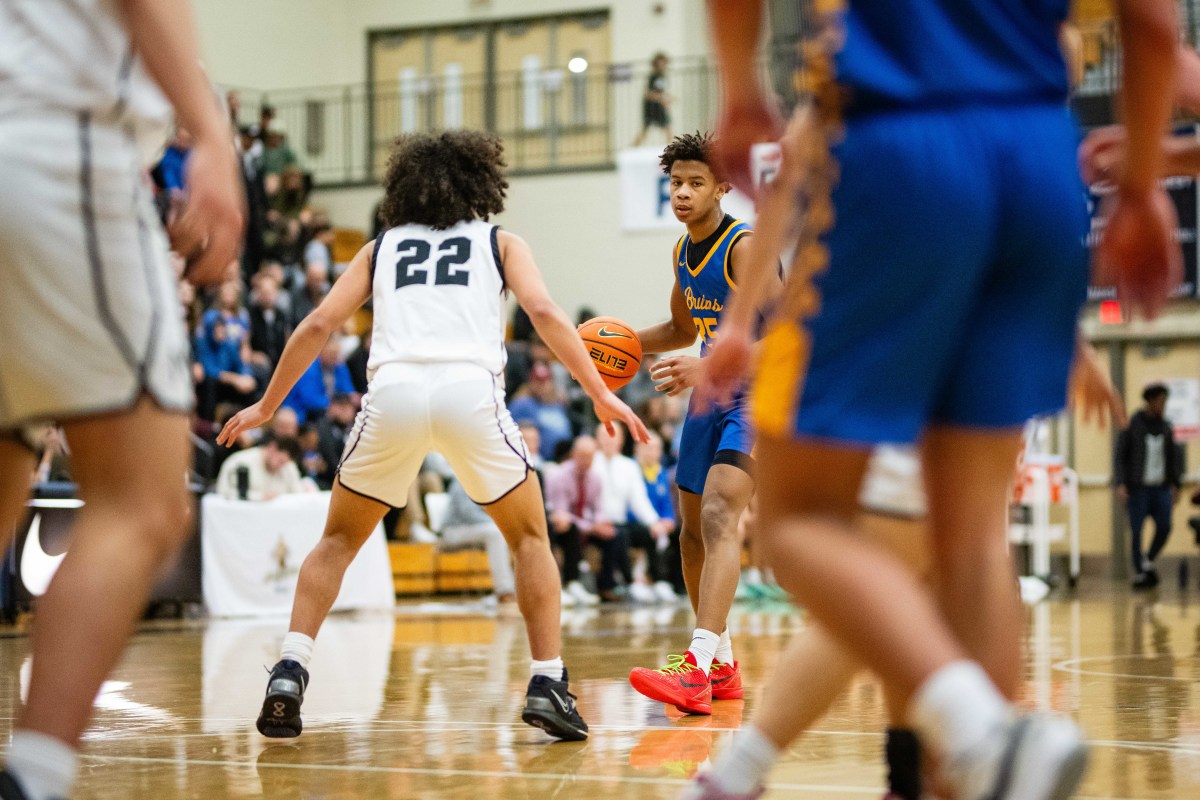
{"x":724,"y":652}
{"x":746,"y":763}
{"x":44,"y":766}
{"x":957,"y":708}
{"x":297,"y":647}
{"x":704,"y":647}
{"x":754,"y":575}
{"x":552,"y":668}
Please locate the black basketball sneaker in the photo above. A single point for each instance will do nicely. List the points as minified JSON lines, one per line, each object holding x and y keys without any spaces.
{"x":10,"y":789}
{"x":280,"y":715}
{"x":549,"y":706}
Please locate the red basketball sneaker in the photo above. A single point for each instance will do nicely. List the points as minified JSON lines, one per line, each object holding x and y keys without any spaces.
{"x":726,"y":680}
{"x":680,"y":683}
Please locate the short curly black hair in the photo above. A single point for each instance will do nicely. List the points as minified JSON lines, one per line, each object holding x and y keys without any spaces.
{"x":442,"y":179}
{"x":688,"y":147}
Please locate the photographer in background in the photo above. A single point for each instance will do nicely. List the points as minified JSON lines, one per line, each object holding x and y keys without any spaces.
{"x":263,"y":472}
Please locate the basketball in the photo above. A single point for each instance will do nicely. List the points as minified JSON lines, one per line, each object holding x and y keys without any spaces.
{"x":614,"y":347}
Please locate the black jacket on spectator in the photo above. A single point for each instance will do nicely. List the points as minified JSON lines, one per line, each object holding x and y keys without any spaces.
{"x":331,"y":441}
{"x":268,"y":337}
{"x":357,"y":364}
{"x":1129,"y":461}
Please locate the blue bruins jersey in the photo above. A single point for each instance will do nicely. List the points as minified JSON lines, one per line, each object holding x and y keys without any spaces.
{"x":707,"y":281}
{"x":930,"y":53}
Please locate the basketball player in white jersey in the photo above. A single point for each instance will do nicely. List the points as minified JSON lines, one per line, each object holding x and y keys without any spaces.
{"x":90,"y":328}
{"x":438,"y":277}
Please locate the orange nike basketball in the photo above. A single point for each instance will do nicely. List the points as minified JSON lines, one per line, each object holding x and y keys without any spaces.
{"x":615,"y":348}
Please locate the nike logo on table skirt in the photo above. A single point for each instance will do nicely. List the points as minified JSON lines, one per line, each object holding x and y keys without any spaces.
{"x":605,"y":333}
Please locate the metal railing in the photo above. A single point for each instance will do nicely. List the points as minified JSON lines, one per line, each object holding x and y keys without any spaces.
{"x":556,"y":120}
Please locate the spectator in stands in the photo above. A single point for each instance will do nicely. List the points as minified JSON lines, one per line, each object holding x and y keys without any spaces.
{"x":277,"y":154}
{"x":357,"y":361}
{"x":627,"y":505}
{"x":541,"y":402}
{"x":655,"y":100}
{"x":318,"y":251}
{"x":327,"y":376}
{"x":1148,"y":471}
{"x":269,"y":328}
{"x":533,"y":444}
{"x":310,"y":295}
{"x":233,"y":104}
{"x":661,"y":491}
{"x":285,"y":423}
{"x":263,"y":472}
{"x":256,"y":201}
{"x":222,"y":349}
{"x":312,"y":463}
{"x":467,"y":524}
{"x":573,"y":500}
{"x":333,"y":431}
{"x":173,"y":165}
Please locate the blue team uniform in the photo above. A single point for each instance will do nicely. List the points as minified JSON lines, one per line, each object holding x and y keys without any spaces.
{"x":705,"y":280}
{"x":957,"y":258}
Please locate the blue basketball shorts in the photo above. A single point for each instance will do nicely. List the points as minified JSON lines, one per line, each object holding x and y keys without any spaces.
{"x":957,"y":269}
{"x":725,"y":431}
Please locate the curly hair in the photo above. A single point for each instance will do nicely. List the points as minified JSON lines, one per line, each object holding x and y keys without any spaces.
{"x":688,"y":147}
{"x":442,"y":179}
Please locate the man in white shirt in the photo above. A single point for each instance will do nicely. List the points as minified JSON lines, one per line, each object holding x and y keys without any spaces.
{"x":634,"y":522}
{"x":264,"y":472}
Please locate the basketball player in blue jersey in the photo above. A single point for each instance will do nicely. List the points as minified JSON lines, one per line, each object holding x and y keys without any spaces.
{"x":939,"y":276}
{"x":714,"y":456}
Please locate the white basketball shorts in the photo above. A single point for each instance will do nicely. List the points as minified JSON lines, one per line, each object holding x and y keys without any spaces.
{"x":89,"y":316}
{"x":455,"y":409}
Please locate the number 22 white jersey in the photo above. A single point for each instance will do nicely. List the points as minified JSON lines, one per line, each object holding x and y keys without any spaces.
{"x":438,"y":296}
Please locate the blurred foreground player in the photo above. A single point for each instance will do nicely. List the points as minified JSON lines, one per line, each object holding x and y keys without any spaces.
{"x":438,"y":277}
{"x":91,"y":331}
{"x":953,"y":114}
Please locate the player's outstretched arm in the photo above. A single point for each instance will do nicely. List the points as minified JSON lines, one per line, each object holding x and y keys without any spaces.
{"x":349,"y":292}
{"x":525,"y":280}
{"x":210,"y":230}
{"x":1138,"y":251}
{"x":747,"y":115}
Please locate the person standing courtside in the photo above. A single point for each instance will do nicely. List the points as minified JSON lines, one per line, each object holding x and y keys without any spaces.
{"x":1148,"y":472}
{"x":89,"y":321}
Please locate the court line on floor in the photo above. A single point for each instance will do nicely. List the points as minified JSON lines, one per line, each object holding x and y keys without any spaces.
{"x":453,"y":773}
{"x":341,"y":726}
{"x":1067,"y":666}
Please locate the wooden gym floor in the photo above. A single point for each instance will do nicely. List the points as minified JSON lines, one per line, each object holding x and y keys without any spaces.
{"x":424,"y":704}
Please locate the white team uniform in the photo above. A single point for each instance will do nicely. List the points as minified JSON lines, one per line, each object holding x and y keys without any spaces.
{"x":437,"y":368}
{"x":89,"y":317}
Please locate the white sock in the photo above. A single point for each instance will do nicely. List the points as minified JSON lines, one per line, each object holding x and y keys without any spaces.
{"x":745,"y":764}
{"x":552,"y":669}
{"x":724,"y":652}
{"x":704,"y":647}
{"x":44,"y":766}
{"x":754,"y":575}
{"x":957,"y":708}
{"x":297,"y":647}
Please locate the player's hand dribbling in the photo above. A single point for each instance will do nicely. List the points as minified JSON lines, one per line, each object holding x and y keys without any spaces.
{"x":723,"y":370}
{"x":209,"y":232}
{"x":676,"y":374}
{"x":1138,"y":251}
{"x":610,"y":408}
{"x":254,"y":416}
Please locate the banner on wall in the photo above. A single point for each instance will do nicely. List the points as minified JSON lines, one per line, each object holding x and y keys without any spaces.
{"x":1183,"y":407}
{"x":646,"y":193}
